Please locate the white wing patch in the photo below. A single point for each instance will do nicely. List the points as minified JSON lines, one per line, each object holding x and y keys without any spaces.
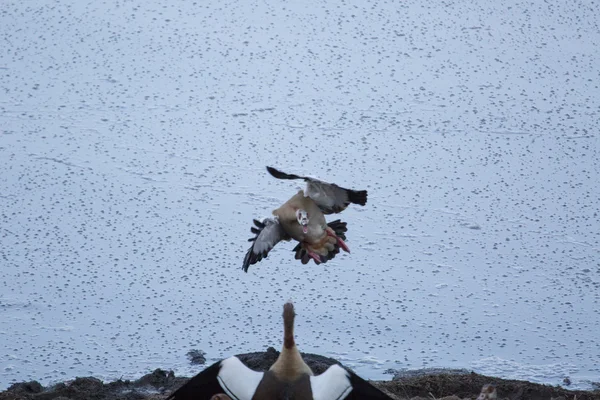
{"x":332,"y":384}
{"x":238,"y":381}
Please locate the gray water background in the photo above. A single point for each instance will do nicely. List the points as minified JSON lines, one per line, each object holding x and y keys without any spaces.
{"x":133,"y":140}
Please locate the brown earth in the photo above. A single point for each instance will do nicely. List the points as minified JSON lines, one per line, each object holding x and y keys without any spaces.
{"x":442,"y":385}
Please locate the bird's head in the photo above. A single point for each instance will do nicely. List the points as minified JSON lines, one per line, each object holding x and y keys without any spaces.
{"x":302,"y":217}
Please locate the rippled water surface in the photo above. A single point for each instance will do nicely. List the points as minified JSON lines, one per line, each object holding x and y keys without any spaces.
{"x":133,"y":141}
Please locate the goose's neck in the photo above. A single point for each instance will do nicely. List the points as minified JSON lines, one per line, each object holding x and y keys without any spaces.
{"x":289,"y":364}
{"x":288,"y":327}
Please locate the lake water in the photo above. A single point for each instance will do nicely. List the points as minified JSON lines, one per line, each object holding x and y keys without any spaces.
{"x":133,"y":142}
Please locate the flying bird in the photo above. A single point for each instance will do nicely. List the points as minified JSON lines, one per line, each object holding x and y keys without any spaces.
{"x":302,"y":218}
{"x":288,"y":378}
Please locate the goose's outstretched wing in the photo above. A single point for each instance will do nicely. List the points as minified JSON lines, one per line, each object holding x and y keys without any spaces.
{"x":269,"y":232}
{"x":205,"y":382}
{"x":329,"y":197}
{"x":229,"y":376}
{"x":363,"y":390}
{"x":339,"y":383}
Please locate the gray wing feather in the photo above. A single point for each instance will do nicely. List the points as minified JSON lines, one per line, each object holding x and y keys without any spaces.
{"x":329,"y":197}
{"x":269,"y":232}
{"x":269,"y":236}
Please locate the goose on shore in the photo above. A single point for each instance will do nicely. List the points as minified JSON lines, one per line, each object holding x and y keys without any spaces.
{"x":289,"y":378}
{"x":488,"y":392}
{"x":302,"y":218}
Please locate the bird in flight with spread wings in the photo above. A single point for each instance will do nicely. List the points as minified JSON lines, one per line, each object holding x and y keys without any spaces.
{"x":302,"y":218}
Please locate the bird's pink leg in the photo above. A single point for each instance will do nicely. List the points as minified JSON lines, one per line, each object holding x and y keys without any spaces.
{"x":342,"y":244}
{"x":339,"y":240}
{"x":314,"y":256}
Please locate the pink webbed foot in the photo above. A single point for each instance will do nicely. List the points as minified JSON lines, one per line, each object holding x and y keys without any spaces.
{"x":342,"y":244}
{"x":339,"y":240}
{"x":314,"y":256}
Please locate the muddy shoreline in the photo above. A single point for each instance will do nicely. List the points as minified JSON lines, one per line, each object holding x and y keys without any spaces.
{"x":447,"y":385}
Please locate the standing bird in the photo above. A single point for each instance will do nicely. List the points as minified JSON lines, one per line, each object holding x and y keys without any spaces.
{"x":289,"y":378}
{"x":302,"y":218}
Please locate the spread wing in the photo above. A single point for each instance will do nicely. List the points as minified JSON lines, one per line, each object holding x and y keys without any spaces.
{"x":239,"y":381}
{"x":338,"y":383}
{"x":202,"y":386}
{"x":332,"y":198}
{"x":329,"y":197}
{"x":363,"y":390}
{"x":230,"y":376}
{"x":269,"y":232}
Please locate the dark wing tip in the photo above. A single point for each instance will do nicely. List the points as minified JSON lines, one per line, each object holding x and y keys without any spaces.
{"x":273,"y":171}
{"x":204,"y":384}
{"x":340,"y":228}
{"x":282,"y":175}
{"x":357,"y":196}
{"x":362,"y":389}
{"x":246,"y":263}
{"x":251,"y":257}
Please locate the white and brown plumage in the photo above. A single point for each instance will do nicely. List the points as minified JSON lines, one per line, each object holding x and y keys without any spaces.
{"x":302,"y":218}
{"x":289,"y":378}
{"x":488,"y":392}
